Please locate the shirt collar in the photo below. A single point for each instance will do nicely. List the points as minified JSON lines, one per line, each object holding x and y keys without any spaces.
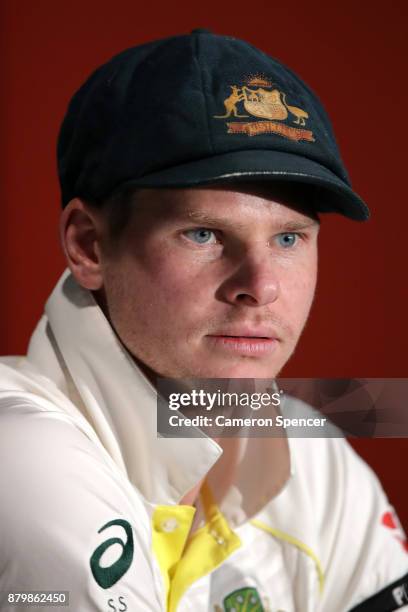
{"x":114,"y":395}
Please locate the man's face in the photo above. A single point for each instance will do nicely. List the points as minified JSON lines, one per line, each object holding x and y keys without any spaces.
{"x":212,"y":282}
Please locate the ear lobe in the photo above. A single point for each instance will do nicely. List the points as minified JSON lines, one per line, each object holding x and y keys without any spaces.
{"x":80,"y":236}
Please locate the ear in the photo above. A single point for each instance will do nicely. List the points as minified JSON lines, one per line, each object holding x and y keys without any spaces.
{"x":81,"y":231}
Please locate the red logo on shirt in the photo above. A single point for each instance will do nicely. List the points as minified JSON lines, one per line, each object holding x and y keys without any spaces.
{"x":389,"y":519}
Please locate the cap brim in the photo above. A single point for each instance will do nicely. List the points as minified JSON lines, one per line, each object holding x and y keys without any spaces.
{"x":332,"y":195}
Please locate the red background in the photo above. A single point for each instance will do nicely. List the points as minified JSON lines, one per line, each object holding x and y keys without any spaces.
{"x":352,"y":53}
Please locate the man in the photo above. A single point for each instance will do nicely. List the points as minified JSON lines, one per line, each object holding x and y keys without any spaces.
{"x":191,"y":239}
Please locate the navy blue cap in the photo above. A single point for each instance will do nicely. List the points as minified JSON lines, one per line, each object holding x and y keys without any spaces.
{"x":199,"y":109}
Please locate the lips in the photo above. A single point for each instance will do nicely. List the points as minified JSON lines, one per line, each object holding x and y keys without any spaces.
{"x":243,"y":340}
{"x":246,"y":332}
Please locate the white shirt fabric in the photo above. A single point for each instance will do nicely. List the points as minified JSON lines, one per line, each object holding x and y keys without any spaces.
{"x":79,"y":449}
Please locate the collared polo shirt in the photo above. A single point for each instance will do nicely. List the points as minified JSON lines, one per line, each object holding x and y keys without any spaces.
{"x":90,"y":495}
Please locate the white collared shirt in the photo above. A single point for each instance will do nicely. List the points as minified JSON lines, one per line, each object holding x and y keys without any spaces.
{"x":90,"y":494}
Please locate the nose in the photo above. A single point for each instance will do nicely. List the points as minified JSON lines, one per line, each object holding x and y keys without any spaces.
{"x":254,"y":282}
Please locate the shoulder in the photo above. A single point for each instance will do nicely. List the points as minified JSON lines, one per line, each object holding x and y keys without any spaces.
{"x":348,"y":517}
{"x":327,"y":471}
{"x":48,"y":463}
{"x":63,"y":499}
{"x":45,"y":455}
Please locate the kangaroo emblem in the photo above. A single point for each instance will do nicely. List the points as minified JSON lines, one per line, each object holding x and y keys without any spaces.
{"x":231,"y":102}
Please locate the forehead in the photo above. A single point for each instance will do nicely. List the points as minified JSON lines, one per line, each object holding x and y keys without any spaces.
{"x":232,"y":205}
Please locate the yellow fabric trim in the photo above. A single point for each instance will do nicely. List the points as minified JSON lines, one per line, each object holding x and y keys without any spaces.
{"x":281,"y":535}
{"x":168,"y":546}
{"x":183,"y":561}
{"x":206,"y":550}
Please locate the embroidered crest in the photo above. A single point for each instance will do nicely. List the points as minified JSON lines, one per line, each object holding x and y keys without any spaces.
{"x":246,"y":599}
{"x":261,"y":99}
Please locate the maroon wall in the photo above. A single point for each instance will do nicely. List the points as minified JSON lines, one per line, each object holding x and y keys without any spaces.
{"x":354,"y":56}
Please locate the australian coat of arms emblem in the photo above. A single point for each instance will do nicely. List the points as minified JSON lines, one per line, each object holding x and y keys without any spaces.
{"x":259,"y":98}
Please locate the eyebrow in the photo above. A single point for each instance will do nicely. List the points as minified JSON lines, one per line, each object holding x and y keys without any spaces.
{"x":281,"y":226}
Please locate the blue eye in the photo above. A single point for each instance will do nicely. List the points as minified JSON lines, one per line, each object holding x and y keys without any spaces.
{"x":201,"y":235}
{"x":287,"y":240}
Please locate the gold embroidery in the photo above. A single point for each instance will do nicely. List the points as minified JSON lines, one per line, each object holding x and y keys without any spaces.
{"x":231,"y":102}
{"x":298,"y":112}
{"x":269,"y":127}
{"x":260,"y":99}
{"x":265,"y":104}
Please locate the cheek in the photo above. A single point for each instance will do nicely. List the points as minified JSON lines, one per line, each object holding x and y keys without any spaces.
{"x":298,"y":290}
{"x":175,"y":287}
{"x":164,"y":289}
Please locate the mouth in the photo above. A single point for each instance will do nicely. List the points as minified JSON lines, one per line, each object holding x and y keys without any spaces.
{"x":245,"y":342}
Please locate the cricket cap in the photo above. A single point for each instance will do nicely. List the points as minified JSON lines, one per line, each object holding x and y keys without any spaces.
{"x":200,"y":109}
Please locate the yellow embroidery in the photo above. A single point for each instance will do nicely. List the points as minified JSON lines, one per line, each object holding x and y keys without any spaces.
{"x":231,"y":102}
{"x":269,"y":127}
{"x":260,"y":99}
{"x":300,"y":114}
{"x":266,"y":104}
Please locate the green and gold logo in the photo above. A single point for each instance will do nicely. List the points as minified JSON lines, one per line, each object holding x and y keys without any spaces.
{"x":246,"y":599}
